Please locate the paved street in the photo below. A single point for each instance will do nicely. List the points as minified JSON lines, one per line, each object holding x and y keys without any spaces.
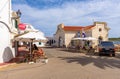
{"x":66,"y":65}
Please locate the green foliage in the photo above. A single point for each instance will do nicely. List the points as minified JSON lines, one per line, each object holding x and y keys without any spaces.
{"x":114,"y":39}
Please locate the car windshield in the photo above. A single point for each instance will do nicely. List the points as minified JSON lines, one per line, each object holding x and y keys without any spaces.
{"x":107,"y":44}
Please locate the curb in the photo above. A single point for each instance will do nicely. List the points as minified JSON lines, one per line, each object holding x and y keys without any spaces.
{"x":4,"y":65}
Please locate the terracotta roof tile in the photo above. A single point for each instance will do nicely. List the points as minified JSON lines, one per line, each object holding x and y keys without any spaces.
{"x":77,"y":28}
{"x":73,"y":28}
{"x":88,"y":27}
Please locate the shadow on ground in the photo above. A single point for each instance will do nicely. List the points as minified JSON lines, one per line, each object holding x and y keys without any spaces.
{"x":101,"y":62}
{"x":91,"y":58}
{"x":70,"y":50}
{"x":117,"y":55}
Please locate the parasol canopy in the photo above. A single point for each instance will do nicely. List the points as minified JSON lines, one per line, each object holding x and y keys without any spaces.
{"x":90,"y":38}
{"x":86,"y":38}
{"x":32,"y":37}
{"x":78,"y":38}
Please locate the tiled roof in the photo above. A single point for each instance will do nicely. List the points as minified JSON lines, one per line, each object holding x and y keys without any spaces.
{"x":73,"y":28}
{"x":77,"y":28}
{"x":89,"y":27}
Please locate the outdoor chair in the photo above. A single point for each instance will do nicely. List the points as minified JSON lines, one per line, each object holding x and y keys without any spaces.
{"x":28,"y":57}
{"x":37,"y":54}
{"x":91,"y":50}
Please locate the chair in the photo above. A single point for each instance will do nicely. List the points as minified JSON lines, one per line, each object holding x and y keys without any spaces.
{"x":37,"y":54}
{"x":91,"y":50}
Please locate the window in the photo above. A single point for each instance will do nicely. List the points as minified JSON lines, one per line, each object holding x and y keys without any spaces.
{"x":16,"y":24}
{"x":78,"y":34}
{"x":100,"y":29}
{"x":73,"y":42}
{"x":100,"y":39}
{"x":39,"y":43}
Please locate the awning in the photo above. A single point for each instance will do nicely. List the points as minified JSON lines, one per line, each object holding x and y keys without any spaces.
{"x":31,"y":37}
{"x":78,"y":38}
{"x":86,"y":38}
{"x":90,"y":38}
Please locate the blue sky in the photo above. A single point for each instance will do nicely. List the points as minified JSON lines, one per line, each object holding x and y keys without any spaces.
{"x":45,"y":15}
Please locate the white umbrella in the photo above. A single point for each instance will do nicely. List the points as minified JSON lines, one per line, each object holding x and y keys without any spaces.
{"x":31,"y":36}
{"x":78,"y":38}
{"x":90,"y":38}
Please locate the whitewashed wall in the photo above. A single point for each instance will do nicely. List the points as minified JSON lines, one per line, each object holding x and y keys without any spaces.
{"x":5,"y":11}
{"x":6,"y":50}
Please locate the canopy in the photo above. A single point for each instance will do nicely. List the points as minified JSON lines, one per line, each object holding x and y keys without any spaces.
{"x":86,"y":38}
{"x":78,"y":38}
{"x":31,"y":37}
{"x":90,"y":38}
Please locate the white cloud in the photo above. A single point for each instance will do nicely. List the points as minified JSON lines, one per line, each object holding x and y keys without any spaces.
{"x":78,"y":13}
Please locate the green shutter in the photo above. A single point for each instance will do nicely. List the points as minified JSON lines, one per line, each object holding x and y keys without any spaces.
{"x":16,"y":24}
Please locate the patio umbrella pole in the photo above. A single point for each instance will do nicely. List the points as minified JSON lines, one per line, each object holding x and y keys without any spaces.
{"x":30,"y":51}
{"x":31,"y":42}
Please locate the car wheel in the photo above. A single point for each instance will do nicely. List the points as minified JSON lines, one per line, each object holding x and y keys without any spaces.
{"x":113,"y":55}
{"x":99,"y":54}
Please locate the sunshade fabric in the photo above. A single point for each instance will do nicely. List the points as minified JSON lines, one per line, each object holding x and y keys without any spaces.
{"x":86,"y":38}
{"x":31,"y":37}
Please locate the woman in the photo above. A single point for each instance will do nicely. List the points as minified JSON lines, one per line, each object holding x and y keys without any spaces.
{"x":39,"y":51}
{"x":35,"y":47}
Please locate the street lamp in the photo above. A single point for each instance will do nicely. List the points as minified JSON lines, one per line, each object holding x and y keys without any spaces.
{"x":19,"y":13}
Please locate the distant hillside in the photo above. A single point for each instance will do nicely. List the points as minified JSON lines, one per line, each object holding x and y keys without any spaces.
{"x":114,"y":39}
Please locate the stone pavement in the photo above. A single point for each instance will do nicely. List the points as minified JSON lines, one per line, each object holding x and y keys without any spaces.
{"x":66,"y":65}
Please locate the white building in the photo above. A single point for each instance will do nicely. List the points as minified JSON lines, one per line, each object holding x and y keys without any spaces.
{"x":6,"y":31}
{"x":9,"y":21}
{"x":64,"y":34}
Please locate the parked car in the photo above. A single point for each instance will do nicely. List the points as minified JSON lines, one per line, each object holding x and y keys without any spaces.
{"x":106,"y":47}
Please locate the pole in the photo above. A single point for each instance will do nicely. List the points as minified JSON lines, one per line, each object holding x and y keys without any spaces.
{"x":30,"y":51}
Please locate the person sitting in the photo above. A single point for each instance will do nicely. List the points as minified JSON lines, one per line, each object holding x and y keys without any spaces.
{"x":84,"y":48}
{"x":41,"y":52}
{"x":38,"y":51}
{"x":35,"y":47}
{"x":91,"y":50}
